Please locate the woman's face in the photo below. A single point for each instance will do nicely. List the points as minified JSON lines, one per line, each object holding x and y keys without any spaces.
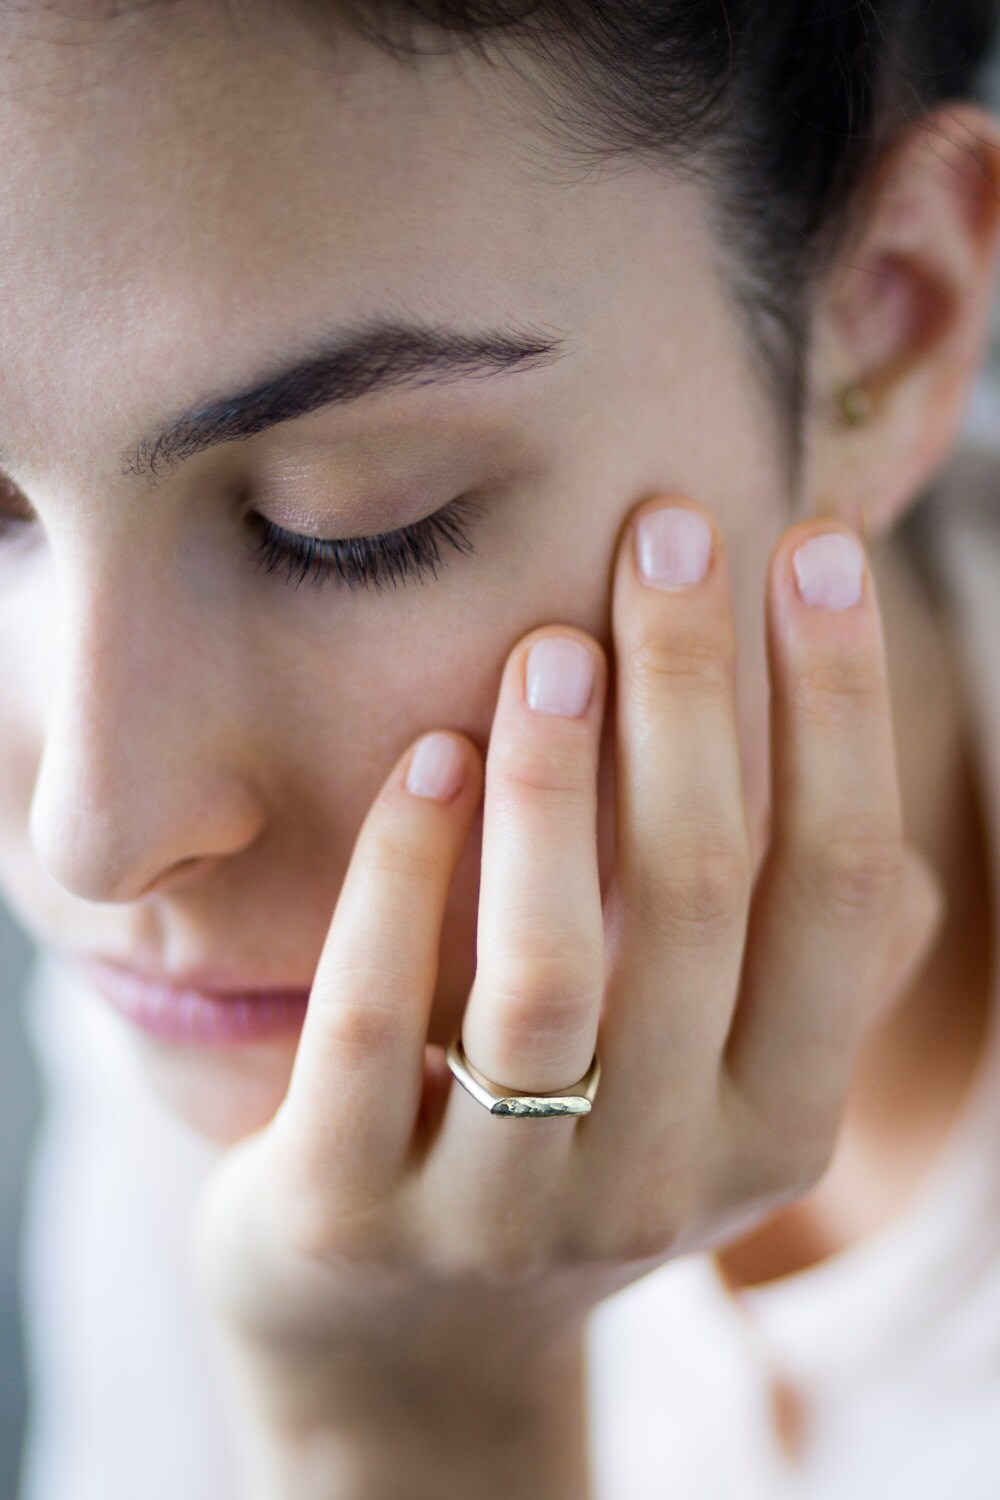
{"x":190,"y":205}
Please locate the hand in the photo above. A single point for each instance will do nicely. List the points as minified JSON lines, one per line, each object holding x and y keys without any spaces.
{"x":385,"y":1243}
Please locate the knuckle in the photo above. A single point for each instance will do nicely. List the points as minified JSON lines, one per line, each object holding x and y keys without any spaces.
{"x":497,"y":1257}
{"x":702,"y":885}
{"x":647,"y":1211}
{"x":785,"y":1173}
{"x":318,"y":1231}
{"x":859,"y":869}
{"x":829,"y":688}
{"x":360,"y":1009}
{"x":519,"y":1258}
{"x":400,"y":860}
{"x":791,"y":1147}
{"x":692,"y":665}
{"x":543,"y":994}
{"x":636,"y":1240}
{"x":772,"y":1156}
{"x":283,"y":1219}
{"x":549,"y":767}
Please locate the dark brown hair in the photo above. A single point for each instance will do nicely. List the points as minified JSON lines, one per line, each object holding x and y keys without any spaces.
{"x":780,"y":106}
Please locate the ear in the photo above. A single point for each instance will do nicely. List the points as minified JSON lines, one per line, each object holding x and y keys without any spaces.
{"x":906,"y":313}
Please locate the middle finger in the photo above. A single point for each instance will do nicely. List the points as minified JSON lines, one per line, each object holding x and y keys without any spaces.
{"x":679,"y":901}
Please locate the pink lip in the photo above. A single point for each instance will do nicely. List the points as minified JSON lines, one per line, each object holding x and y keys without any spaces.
{"x":208,"y":981}
{"x":180,"y":1012}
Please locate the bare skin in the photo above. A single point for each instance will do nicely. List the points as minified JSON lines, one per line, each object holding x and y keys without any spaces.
{"x":916,"y":1067}
{"x":155,"y":805}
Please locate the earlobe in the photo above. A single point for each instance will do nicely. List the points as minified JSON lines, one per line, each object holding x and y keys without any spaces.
{"x":856,"y":403}
{"x":905,"y":325}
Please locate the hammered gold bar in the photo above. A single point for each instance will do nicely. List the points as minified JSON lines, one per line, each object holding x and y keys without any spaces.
{"x":499,"y":1102}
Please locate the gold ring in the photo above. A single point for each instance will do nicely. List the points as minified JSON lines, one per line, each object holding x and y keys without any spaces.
{"x":501,"y":1101}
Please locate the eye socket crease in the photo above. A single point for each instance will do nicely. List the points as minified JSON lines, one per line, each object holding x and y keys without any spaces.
{"x":369,"y":357}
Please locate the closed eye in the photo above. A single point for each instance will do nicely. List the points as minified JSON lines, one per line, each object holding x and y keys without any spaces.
{"x":366,"y":561}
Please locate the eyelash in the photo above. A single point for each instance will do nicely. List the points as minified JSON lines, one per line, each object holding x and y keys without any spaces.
{"x":360,"y":562}
{"x":366,"y":561}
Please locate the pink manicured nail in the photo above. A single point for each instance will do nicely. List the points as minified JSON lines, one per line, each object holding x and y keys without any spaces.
{"x":829,"y":570}
{"x":437,"y":768}
{"x":673,"y":546}
{"x":560,"y":676}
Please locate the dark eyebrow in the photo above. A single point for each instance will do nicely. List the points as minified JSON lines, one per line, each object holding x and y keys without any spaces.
{"x":351,"y":363}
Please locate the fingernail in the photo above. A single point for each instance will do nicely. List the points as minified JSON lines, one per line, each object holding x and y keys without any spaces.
{"x":560,"y":677}
{"x":437,"y":768}
{"x":829,"y":570}
{"x":673,"y":546}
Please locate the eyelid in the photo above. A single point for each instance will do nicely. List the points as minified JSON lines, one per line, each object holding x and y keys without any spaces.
{"x":365,"y":497}
{"x":365,"y":561}
{"x":324,"y":527}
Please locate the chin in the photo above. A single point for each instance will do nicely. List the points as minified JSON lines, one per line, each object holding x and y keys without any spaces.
{"x":221,"y":1095}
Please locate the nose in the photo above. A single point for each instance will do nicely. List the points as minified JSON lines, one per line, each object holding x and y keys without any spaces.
{"x":144,"y":773}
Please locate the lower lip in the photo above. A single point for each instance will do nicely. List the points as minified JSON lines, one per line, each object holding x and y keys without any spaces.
{"x":180,"y":1015}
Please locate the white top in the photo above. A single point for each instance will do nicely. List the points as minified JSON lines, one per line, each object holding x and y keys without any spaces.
{"x":892,"y":1344}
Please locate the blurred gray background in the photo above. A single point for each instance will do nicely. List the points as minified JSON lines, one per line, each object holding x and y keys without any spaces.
{"x":19,"y":1112}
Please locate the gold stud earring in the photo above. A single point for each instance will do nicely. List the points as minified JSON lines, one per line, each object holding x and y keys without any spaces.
{"x":855,"y":403}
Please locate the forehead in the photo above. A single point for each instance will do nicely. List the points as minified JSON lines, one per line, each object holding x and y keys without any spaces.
{"x":173,"y":196}
{"x":188,"y":192}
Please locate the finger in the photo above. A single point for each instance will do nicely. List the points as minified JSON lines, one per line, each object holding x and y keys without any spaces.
{"x":356,"y":1082}
{"x":826,"y":903}
{"x":680,"y":894}
{"x":532,"y":1016}
{"x":922,"y":907}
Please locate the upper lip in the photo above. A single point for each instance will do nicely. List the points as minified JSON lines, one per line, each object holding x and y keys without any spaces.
{"x":208,"y":981}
